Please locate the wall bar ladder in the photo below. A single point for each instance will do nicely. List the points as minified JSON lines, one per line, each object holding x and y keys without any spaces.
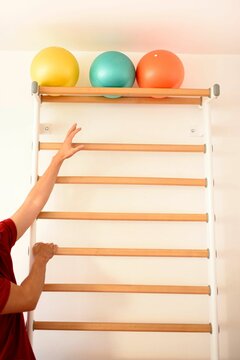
{"x":133,"y":96}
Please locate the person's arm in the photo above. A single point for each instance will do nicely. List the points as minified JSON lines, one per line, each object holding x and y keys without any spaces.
{"x":40,"y":193}
{"x":25,"y":297}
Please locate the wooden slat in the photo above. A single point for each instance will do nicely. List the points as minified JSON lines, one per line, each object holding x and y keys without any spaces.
{"x":121,"y":216}
{"x":123,"y":288}
{"x":129,"y":147}
{"x":117,"y":180}
{"x":123,"y":100}
{"x":110,"y":326}
{"x":188,"y":253}
{"x":127,"y":92}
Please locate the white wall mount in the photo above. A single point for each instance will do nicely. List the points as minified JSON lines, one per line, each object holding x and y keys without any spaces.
{"x":45,"y":128}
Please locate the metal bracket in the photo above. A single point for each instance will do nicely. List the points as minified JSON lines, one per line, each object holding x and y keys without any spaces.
{"x":35,"y":88}
{"x":215,"y":90}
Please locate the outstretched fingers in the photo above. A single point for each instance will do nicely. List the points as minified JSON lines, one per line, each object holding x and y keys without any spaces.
{"x":72,"y":128}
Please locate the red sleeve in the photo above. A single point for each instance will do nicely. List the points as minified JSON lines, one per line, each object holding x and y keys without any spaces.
{"x":5,"y":286}
{"x":8,"y":232}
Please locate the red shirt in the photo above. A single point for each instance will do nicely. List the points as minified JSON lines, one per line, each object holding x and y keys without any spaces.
{"x":14,"y":342}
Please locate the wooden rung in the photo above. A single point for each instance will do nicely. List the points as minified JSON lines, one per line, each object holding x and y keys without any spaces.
{"x":123,"y":288}
{"x":110,"y":326}
{"x":126,"y":92}
{"x":121,"y":216}
{"x":128,"y":147}
{"x":188,"y":253}
{"x":114,"y":180}
{"x":122,"y":100}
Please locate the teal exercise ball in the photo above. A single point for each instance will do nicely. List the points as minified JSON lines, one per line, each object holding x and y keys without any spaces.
{"x":112,"y":69}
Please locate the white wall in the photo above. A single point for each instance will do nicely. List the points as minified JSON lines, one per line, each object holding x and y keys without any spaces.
{"x":106,"y":123}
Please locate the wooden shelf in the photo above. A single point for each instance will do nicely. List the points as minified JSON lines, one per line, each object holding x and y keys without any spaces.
{"x":133,"y":95}
{"x":122,"y":100}
{"x":123,"y":91}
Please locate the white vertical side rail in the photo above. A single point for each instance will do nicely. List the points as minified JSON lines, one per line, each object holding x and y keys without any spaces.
{"x":34,"y":175}
{"x":214,"y":350}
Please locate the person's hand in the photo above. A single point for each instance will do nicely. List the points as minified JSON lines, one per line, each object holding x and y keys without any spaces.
{"x":67,"y":149}
{"x":45,"y":251}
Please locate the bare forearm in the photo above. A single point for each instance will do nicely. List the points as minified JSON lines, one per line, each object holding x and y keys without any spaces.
{"x":37,"y":197}
{"x":33,"y":284}
{"x":25,"y":297}
{"x":40,"y":193}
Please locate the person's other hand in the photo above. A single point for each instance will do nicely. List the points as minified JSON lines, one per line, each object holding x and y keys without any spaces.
{"x":45,"y":251}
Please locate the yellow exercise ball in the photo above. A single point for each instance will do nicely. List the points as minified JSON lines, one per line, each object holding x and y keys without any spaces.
{"x":55,"y":66}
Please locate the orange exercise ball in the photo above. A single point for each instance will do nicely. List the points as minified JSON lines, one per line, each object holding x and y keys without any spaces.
{"x":55,"y":66}
{"x":160,"y":69}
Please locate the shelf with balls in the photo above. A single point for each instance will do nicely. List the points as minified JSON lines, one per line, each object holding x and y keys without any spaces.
{"x":156,"y":79}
